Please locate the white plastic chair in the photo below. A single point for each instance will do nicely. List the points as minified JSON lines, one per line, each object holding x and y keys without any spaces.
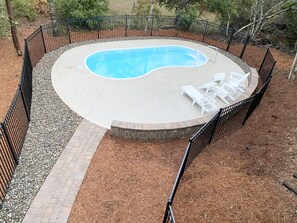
{"x":209,"y":87}
{"x":237,"y":81}
{"x":220,"y":77}
{"x":226,"y":93}
{"x":206,"y":104}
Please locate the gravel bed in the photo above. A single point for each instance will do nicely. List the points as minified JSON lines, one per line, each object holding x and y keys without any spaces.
{"x":52,"y":126}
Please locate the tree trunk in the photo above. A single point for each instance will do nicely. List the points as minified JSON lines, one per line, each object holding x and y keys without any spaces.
{"x":260,"y":15}
{"x":134,"y":5}
{"x":13,"y":28}
{"x":151,"y":15}
{"x":53,"y":17}
{"x":293,"y":68}
{"x":228,"y":24}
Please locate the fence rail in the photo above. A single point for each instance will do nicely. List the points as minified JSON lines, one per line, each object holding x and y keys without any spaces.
{"x":53,"y":36}
{"x":226,"y":121}
{"x":14,"y":126}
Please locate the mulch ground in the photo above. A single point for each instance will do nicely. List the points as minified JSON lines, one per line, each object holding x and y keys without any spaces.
{"x":128,"y":181}
{"x":11,"y":64}
{"x":236,"y":179}
{"x":239,"y":178}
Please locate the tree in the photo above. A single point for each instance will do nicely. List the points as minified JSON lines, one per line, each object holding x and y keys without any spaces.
{"x":24,"y":8}
{"x":80,"y":8}
{"x":226,"y":9}
{"x":178,"y":5}
{"x":262,"y":11}
{"x":13,"y":28}
{"x":294,"y":66}
{"x":4,"y":23}
{"x":145,"y":7}
{"x":289,"y":19}
{"x":52,"y":11}
{"x":187,"y":15}
{"x":53,"y":15}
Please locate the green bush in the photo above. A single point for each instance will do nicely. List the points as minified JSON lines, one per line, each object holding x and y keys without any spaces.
{"x":4,"y":23}
{"x":80,"y":8}
{"x":186,"y":16}
{"x":24,"y":8}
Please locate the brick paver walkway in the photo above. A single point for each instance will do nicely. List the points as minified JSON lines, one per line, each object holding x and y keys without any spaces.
{"x":55,"y":198}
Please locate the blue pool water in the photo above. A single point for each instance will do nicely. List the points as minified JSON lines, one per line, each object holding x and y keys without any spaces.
{"x":136,"y":62}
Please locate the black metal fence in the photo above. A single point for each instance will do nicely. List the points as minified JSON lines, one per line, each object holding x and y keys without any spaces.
{"x":226,"y":121}
{"x":14,"y":127}
{"x":52,"y":36}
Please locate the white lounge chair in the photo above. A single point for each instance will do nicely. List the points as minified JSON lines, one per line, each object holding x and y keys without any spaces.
{"x":226,"y":93}
{"x":237,"y":81}
{"x":209,"y":87}
{"x":206,"y":104}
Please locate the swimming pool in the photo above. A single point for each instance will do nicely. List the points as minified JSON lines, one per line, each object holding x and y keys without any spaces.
{"x":137,"y":62}
{"x":150,"y":99}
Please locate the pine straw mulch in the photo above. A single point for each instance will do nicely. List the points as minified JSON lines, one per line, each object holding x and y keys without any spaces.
{"x":235,"y":179}
{"x":128,"y":181}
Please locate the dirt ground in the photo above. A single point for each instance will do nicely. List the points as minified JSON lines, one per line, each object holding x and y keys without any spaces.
{"x":11,"y":64}
{"x":236,"y":179}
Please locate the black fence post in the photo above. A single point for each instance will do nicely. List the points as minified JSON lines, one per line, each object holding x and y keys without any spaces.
{"x":267,"y":51}
{"x":205,"y":30}
{"x":15,"y":157}
{"x":68,"y":28}
{"x":24,"y":103}
{"x":29,"y":59}
{"x":177,"y":26}
{"x":215,"y":125}
{"x":230,"y":40}
{"x":258,"y":97}
{"x":271,"y":71}
{"x":251,"y":109}
{"x":43,"y":41}
{"x":126,"y":25}
{"x":152,"y":17}
{"x":166,"y":212}
{"x":98,"y":28}
{"x":180,"y":173}
{"x":245,"y":45}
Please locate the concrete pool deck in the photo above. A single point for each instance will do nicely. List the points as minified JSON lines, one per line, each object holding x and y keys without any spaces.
{"x":152,"y":99}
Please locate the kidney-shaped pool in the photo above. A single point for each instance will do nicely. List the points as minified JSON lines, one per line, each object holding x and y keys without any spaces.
{"x":136,"y":62}
{"x":163,"y":67}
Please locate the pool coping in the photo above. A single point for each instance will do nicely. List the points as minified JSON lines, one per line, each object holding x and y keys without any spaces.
{"x":175,"y":129}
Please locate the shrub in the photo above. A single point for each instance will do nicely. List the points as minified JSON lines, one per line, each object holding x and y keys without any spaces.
{"x":80,"y":8}
{"x":42,"y":7}
{"x":4,"y":23}
{"x":24,"y":8}
{"x":186,"y":16}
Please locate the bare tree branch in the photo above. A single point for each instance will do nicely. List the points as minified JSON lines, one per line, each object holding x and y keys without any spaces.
{"x":261,"y":19}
